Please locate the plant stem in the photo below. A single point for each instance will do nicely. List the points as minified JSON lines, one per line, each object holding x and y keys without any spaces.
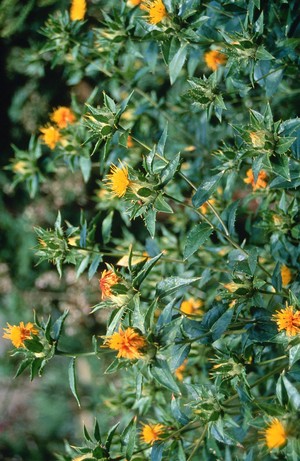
{"x":199,"y":441}
{"x":272,"y":360}
{"x":75,"y":355}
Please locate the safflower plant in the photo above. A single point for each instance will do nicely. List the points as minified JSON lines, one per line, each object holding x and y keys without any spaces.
{"x":188,"y":145}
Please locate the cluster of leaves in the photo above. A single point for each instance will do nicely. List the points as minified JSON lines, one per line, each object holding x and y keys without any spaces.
{"x":214,"y":175}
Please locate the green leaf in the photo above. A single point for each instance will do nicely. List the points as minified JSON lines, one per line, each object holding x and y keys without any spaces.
{"x":57,"y":326}
{"x":161,"y":372}
{"x":128,"y":438}
{"x":262,"y":54}
{"x":23,"y":365}
{"x":171,"y":284}
{"x":166,"y":315}
{"x":86,"y":167}
{"x":157,"y":451}
{"x":35,"y":369}
{"x":252,"y":260}
{"x":106,"y":227}
{"x":82,"y":266}
{"x":97,"y":435}
{"x":86,"y":434}
{"x":151,"y":155}
{"x":257,"y":164}
{"x":206,"y":189}
{"x":177,"y":413}
{"x":138,"y":279}
{"x":283,"y":144}
{"x":294,"y":355}
{"x":281,"y":167}
{"x":72,"y":380}
{"x":293,"y":393}
{"x":114,"y":320}
{"x":149,"y":316}
{"x":33,"y":344}
{"x":161,"y":143}
{"x":94,"y":266}
{"x":169,"y":171}
{"x":150,"y":221}
{"x":110,"y":435}
{"x":195,"y":238}
{"x":231,"y":216}
{"x":177,"y":62}
{"x":161,"y":205}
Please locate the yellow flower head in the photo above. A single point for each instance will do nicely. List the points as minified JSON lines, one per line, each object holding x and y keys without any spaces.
{"x":62,"y":116}
{"x":286,"y":275}
{"x":275,"y":435}
{"x":214,"y":59}
{"x":152,"y":432}
{"x":19,"y":333}
{"x":192,"y":306}
{"x":107,"y":280}
{"x":261,"y":182}
{"x":118,"y":180}
{"x":78,"y":10}
{"x":288,"y":320}
{"x":156,"y":10}
{"x":179,"y":371}
{"x":50,"y":136}
{"x":128,"y":342}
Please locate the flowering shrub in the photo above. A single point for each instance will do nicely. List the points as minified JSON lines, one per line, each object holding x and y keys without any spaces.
{"x":187,"y":141}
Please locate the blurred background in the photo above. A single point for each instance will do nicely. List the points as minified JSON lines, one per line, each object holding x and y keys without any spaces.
{"x":36,"y":417}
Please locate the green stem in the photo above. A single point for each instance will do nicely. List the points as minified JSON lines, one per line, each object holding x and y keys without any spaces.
{"x":272,"y":360}
{"x":198,"y":443}
{"x":75,"y":355}
{"x":271,"y":373}
{"x":265,"y":292}
{"x":185,"y":428}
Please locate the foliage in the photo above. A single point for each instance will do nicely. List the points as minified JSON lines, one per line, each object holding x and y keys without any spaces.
{"x":185,"y":146}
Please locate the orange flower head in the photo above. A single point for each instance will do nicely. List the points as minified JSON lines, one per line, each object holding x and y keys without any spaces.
{"x":192,"y":306}
{"x":214,"y":59}
{"x":261,"y":182}
{"x":19,"y":333}
{"x":179,"y":371}
{"x":128,"y":342}
{"x":288,"y":320}
{"x":152,"y":432}
{"x":286,"y":275}
{"x":275,"y":435}
{"x":156,"y":10}
{"x":78,"y":10}
{"x":107,"y":280}
{"x":62,"y":116}
{"x":118,"y":180}
{"x":50,"y":136}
